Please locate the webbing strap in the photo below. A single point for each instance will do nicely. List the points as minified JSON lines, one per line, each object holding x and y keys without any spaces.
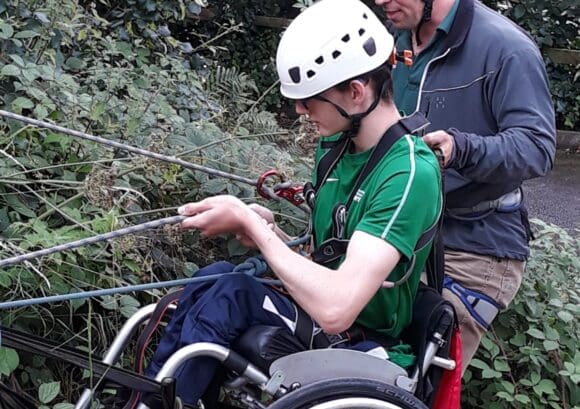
{"x":409,"y":125}
{"x":393,"y":134}
{"x":481,"y":307}
{"x":145,"y":335}
{"x":304,"y":327}
{"x":35,"y":345}
{"x":335,"y":247}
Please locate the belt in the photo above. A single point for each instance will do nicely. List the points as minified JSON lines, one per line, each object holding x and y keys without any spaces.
{"x":507,"y":203}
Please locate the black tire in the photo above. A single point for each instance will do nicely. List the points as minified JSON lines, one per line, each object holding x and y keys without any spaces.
{"x":340,"y":389}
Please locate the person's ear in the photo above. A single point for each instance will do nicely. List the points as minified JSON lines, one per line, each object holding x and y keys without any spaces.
{"x":357,"y":90}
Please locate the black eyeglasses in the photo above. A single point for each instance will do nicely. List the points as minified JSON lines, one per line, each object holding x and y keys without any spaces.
{"x":304,"y":101}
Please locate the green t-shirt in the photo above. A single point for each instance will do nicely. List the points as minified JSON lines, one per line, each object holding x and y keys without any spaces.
{"x":398,"y":201}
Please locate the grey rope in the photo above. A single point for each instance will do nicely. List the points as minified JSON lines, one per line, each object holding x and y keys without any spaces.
{"x":119,"y":233}
{"x":254,"y":266}
{"x":91,"y":240}
{"x":139,"y":151}
{"x":120,"y":290}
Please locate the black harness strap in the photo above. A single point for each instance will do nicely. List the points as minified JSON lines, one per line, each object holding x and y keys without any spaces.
{"x":333,"y":248}
{"x":304,"y":327}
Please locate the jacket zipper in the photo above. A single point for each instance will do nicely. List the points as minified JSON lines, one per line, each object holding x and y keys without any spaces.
{"x":425,"y":76}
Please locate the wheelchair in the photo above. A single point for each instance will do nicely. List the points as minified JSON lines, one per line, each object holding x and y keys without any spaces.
{"x":329,"y":378}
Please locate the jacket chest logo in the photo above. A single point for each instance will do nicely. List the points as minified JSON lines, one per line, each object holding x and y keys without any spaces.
{"x":439,"y":102}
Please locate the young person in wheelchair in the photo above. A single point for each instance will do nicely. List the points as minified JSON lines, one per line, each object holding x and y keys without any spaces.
{"x":375,"y":198}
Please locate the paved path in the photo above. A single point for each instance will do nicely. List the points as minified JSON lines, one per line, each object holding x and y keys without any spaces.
{"x":556,"y":197}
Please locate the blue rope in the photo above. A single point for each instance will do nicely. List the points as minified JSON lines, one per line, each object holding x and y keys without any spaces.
{"x":255,"y":266}
{"x":119,"y":290}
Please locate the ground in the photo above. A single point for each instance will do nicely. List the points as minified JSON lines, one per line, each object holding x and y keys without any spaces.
{"x":556,"y":197}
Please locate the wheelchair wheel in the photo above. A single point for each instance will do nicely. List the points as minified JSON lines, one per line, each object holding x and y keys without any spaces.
{"x":348,"y":394}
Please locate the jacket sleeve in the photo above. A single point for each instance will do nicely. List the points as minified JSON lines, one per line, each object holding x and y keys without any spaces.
{"x":524,"y":145}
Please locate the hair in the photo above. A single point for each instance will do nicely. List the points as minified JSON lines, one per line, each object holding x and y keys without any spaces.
{"x":376,"y":77}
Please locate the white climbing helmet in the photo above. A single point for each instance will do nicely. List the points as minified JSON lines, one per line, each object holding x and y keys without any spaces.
{"x":328,"y":43}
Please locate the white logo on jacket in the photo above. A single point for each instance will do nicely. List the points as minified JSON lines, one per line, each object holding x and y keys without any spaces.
{"x":359,"y":195}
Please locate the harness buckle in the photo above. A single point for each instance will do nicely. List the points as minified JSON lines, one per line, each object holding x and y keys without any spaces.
{"x":339,"y":221}
{"x":283,"y":189}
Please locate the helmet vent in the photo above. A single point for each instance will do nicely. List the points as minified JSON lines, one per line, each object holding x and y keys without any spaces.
{"x":294,"y":74}
{"x":310,"y":74}
{"x":370,"y":47}
{"x":346,"y":38}
{"x":336,"y":54}
{"x":319,"y":60}
{"x":361,"y":32}
{"x":365,"y":16}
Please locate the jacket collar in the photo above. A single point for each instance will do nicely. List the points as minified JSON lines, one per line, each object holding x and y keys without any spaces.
{"x":461,"y":24}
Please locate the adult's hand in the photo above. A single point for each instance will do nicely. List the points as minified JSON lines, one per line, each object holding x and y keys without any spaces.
{"x":443,"y":141}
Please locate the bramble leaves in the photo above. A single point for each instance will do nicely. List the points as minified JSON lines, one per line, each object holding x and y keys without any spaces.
{"x":534,"y":362}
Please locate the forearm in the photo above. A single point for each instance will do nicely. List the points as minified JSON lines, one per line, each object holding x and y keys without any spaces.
{"x":515,"y":154}
{"x":315,"y":288}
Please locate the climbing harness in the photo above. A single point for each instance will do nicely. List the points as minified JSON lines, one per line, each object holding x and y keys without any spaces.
{"x":335,"y":247}
{"x":507,"y":203}
{"x":481,"y":307}
{"x":283,"y":190}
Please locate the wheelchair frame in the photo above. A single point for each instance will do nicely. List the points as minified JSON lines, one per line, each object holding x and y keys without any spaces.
{"x":276,"y":384}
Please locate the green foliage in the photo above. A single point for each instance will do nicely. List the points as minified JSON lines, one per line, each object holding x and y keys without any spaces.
{"x":553,"y":24}
{"x":119,"y":70}
{"x":531,"y":358}
{"x":252,"y":48}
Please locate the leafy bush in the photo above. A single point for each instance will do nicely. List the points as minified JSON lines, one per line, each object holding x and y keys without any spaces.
{"x":122,"y":76}
{"x":530,"y":359}
{"x":554,"y":24}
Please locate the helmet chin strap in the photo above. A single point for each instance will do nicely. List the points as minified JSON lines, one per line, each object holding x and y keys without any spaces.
{"x":427,"y":10}
{"x":355,"y":118}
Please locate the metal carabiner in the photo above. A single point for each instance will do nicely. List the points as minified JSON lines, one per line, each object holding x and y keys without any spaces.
{"x":284,"y":190}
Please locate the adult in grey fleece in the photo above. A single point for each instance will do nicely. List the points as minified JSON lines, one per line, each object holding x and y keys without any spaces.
{"x":486,"y":95}
{"x":489,"y":90}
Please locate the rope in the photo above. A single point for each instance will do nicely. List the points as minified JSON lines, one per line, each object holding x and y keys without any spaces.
{"x":132,"y":149}
{"x":254,"y":266}
{"x":120,"y":290}
{"x":91,"y":240}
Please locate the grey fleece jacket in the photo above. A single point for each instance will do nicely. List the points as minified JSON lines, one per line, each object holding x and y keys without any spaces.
{"x":489,"y":90}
